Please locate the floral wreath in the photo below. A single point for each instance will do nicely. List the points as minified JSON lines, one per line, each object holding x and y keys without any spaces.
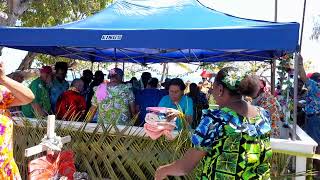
{"x":233,"y":78}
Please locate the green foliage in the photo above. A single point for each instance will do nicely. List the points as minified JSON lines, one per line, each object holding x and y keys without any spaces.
{"x":285,"y":86}
{"x":76,"y":66}
{"x":44,"y":59}
{"x":256,"y":67}
{"x":49,"y":13}
{"x":253,"y":67}
{"x":46,"y":13}
{"x":215,"y":66}
{"x":3,"y":6}
{"x":284,"y":67}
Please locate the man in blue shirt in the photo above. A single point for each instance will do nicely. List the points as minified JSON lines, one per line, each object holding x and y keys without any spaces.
{"x":312,"y":107}
{"x":59,"y":84}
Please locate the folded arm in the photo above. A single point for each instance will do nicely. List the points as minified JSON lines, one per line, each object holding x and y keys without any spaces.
{"x":23,"y":95}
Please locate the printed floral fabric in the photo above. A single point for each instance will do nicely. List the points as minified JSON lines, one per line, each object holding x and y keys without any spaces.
{"x":114,"y":108}
{"x":237,"y":147}
{"x":267,"y":101}
{"x":312,"y":97}
{"x":8,"y":167}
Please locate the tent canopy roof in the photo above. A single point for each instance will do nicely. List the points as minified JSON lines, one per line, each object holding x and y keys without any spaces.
{"x":152,"y":31}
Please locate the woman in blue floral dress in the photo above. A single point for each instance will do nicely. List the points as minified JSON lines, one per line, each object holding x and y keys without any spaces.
{"x":232,"y":142}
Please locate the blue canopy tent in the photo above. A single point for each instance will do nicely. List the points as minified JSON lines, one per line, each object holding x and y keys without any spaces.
{"x":154,"y":31}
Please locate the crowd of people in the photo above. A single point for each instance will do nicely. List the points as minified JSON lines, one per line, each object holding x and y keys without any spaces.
{"x":125,"y":102}
{"x":115,"y":101}
{"x":232,"y":141}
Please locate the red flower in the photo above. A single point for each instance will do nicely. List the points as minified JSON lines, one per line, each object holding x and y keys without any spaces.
{"x":49,"y":166}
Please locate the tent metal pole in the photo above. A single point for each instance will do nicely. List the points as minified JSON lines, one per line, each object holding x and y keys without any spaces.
{"x":92,"y":66}
{"x":295,"y":96}
{"x":295,"y":100}
{"x":274,"y":61}
{"x":115,"y":57}
{"x":275,"y":10}
{"x":302,"y":23}
{"x":273,"y":76}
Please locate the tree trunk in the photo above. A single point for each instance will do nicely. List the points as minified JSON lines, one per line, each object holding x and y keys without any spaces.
{"x":15,"y":9}
{"x":27,"y":61}
{"x":3,"y":21}
{"x":167,"y":70}
{"x":164,"y":67}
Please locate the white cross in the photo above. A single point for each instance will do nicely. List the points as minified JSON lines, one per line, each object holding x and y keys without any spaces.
{"x":50,"y":136}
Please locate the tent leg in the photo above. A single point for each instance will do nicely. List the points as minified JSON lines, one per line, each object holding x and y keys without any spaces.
{"x":273,"y":76}
{"x":275,"y":10}
{"x":115,"y":57}
{"x":302,"y":23}
{"x":92,"y":66}
{"x":274,"y":62}
{"x":295,"y":97}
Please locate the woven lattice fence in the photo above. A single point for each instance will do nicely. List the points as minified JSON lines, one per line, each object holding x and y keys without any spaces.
{"x":104,"y":151}
{"x":114,"y":152}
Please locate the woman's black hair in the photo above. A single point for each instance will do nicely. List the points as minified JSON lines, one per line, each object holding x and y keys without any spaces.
{"x":177,"y":82}
{"x":133,"y":79}
{"x":193,"y":89}
{"x":193,"y":92}
{"x":145,"y":77}
{"x":248,"y":86}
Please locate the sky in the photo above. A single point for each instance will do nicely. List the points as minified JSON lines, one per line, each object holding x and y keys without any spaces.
{"x":288,"y":11}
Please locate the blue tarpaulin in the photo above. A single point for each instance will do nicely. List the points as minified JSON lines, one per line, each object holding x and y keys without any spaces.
{"x":153,"y":31}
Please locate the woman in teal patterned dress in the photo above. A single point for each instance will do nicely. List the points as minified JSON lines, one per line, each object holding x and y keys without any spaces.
{"x":232,"y":142}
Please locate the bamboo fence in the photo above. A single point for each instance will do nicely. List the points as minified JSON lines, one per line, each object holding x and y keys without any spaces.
{"x":115,"y":152}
